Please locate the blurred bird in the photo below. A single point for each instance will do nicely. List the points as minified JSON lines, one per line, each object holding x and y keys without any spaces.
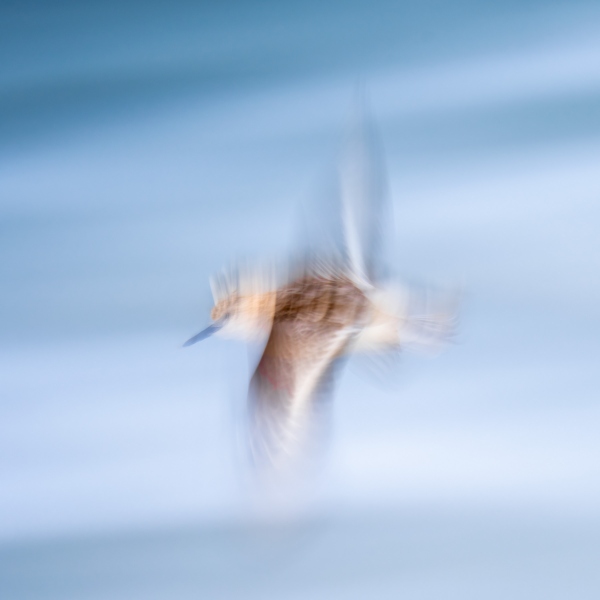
{"x":335,"y":302}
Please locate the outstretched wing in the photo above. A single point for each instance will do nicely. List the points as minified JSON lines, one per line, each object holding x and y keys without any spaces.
{"x":364,"y":206}
{"x":346,"y":224}
{"x":289,"y":391}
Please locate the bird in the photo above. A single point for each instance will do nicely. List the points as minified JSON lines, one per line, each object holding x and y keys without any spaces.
{"x":336,"y":301}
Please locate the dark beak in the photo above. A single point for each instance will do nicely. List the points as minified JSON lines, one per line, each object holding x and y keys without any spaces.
{"x":203,"y":334}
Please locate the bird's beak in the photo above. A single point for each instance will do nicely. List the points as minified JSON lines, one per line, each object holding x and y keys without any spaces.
{"x":204,"y":334}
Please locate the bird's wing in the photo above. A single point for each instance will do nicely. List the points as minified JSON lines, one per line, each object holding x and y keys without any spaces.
{"x":364,"y":206}
{"x":290,"y":388}
{"x":345,"y":226}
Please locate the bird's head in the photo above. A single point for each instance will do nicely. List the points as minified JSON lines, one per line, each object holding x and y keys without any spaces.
{"x":243,"y":305}
{"x":223,"y":309}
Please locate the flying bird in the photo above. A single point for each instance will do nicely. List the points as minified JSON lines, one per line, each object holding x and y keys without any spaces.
{"x":336,"y":301}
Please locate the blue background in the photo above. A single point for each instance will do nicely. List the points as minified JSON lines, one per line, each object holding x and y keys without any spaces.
{"x":145,"y":145}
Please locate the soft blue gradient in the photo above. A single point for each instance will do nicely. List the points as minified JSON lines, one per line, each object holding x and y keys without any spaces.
{"x":143,"y":147}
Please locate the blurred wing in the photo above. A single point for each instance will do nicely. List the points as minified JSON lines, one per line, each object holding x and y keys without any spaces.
{"x":345,"y":225}
{"x":363,"y":200}
{"x":290,"y":388}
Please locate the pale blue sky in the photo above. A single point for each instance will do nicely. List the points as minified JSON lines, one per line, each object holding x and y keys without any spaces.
{"x":143,"y":148}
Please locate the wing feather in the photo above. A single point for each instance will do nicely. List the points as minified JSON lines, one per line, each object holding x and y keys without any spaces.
{"x":290,"y":388}
{"x":364,"y":206}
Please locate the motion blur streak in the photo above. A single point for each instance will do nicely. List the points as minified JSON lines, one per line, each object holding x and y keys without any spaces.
{"x":144,"y":145}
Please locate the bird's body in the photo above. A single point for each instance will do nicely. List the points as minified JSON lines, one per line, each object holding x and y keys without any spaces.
{"x":315,"y":322}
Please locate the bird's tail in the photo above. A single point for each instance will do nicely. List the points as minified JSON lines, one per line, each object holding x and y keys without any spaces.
{"x":430,"y":320}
